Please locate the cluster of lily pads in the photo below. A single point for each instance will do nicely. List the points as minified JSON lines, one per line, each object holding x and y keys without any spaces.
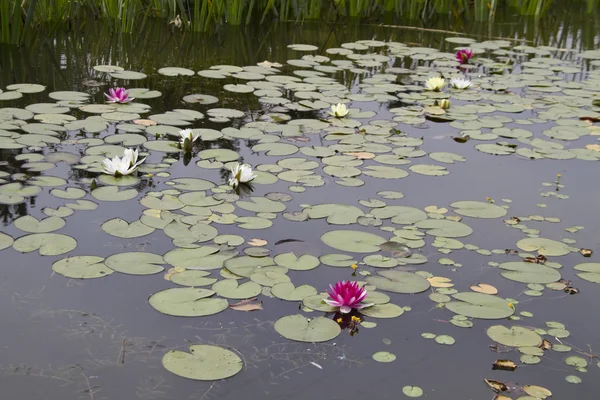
{"x":334,"y":145}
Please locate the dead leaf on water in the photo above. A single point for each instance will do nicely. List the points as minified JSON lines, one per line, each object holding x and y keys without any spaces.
{"x":545,"y":345}
{"x":440,"y":282}
{"x":496,"y":386}
{"x":247,"y":305}
{"x":257,"y":242}
{"x":173,"y":271}
{"x":363,"y":155}
{"x":144,"y":122}
{"x":484,"y":288}
{"x":594,"y":147}
{"x":501,"y":397}
{"x":506,"y":365}
{"x":586,"y":252}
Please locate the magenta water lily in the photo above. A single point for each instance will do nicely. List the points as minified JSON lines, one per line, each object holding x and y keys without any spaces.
{"x":118,"y":95}
{"x":347,"y":296}
{"x":464,"y":55}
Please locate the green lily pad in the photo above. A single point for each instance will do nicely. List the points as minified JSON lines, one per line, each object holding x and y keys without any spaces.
{"x":82,"y":267}
{"x":516,"y":336}
{"x":112,"y":193}
{"x":353,"y":241}
{"x":48,"y":244}
{"x":479,"y":305}
{"x":399,"y":282}
{"x":192,"y":278}
{"x":5,"y":241}
{"x":30,"y":224}
{"x":590,"y":271}
{"x":232,"y":289}
{"x":120,"y":228}
{"x":203,"y":363}
{"x":412,"y":391}
{"x":135,"y":263}
{"x":546,"y":247}
{"x":384,"y":357}
{"x":187,"y":302}
{"x":287,"y":291}
{"x":383,"y":311}
{"x":291,"y":261}
{"x":299,"y":328}
{"x":529,"y":272}
{"x":478,"y":209}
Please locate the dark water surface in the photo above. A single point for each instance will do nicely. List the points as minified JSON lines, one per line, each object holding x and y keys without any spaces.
{"x":100,"y":339}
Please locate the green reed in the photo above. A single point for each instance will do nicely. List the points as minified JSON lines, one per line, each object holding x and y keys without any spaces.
{"x":21,"y":17}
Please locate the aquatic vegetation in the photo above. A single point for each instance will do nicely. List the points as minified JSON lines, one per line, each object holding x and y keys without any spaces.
{"x":241,"y":173}
{"x":118,"y":95}
{"x":188,"y":138}
{"x":338,"y":110}
{"x":460,"y":83}
{"x":464,"y":55}
{"x":347,"y":296}
{"x":126,"y":165}
{"x":435,"y":83}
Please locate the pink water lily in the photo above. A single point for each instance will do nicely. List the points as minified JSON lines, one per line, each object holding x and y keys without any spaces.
{"x":464,"y":55}
{"x":118,"y":95}
{"x":347,"y":296}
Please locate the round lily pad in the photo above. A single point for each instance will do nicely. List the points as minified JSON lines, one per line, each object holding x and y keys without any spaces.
{"x":301,"y":329}
{"x":187,"y":302}
{"x":516,"y":336}
{"x":529,"y":272}
{"x":135,"y":263}
{"x":399,"y":282}
{"x":287,"y":291}
{"x":353,"y":241}
{"x":387,"y":310}
{"x":30,"y":224}
{"x":203,"y":363}
{"x":546,"y":247}
{"x":48,"y":244}
{"x":291,"y":261}
{"x":479,"y":305}
{"x":82,"y":267}
{"x":120,"y":228}
{"x":232,"y":289}
{"x":478,"y":209}
{"x":384,"y":357}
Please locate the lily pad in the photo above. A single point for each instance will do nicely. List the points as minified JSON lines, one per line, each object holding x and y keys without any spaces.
{"x":187,"y":302}
{"x":135,"y":263}
{"x":353,"y":241}
{"x":399,"y":282}
{"x":301,"y":329}
{"x":479,"y":305}
{"x":82,"y":267}
{"x":203,"y":363}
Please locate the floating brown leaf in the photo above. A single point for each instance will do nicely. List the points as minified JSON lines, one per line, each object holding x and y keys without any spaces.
{"x":571,"y":290}
{"x":506,"y":365}
{"x":502,"y":397}
{"x":496,"y":386}
{"x":440,"y":282}
{"x":586,"y":252}
{"x":247,"y":305}
{"x":257,"y":242}
{"x":461,"y":139}
{"x":363,"y":155}
{"x":484,"y":288}
{"x":144,"y":122}
{"x":545,"y":345}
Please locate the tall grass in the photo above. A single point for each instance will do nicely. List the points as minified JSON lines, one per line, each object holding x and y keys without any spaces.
{"x":19,"y":17}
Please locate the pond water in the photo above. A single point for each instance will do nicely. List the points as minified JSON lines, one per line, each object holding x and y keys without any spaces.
{"x":499,"y":189}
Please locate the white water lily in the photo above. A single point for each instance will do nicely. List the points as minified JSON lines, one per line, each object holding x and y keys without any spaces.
{"x":188,"y":137}
{"x":339,"y":110}
{"x":188,"y":134}
{"x":460,"y":83}
{"x":269,"y":64}
{"x":122,"y":166}
{"x":435,"y":83}
{"x":241,"y":173}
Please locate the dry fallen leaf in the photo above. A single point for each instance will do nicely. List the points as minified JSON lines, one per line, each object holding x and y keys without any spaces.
{"x":257,"y":242}
{"x":454,"y":218}
{"x":363,"y":155}
{"x":545,"y":345}
{"x":440,"y":282}
{"x":247,"y":305}
{"x":484,"y":288}
{"x":501,"y":397}
{"x":595,"y":147}
{"x":506,"y":365}
{"x":144,"y":122}
{"x":173,"y":271}
{"x":586,"y":252}
{"x":496,"y":386}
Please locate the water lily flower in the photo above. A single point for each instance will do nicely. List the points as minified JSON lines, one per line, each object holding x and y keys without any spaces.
{"x":347,"y":296}
{"x":122,"y":166}
{"x":269,"y":64}
{"x":435,"y":83}
{"x":460,"y":83}
{"x":464,"y":55}
{"x":188,"y":137}
{"x":339,"y":110}
{"x":118,"y":95}
{"x":241,"y":173}
{"x":444,"y":104}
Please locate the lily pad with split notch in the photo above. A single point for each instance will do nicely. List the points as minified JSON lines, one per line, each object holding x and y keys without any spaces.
{"x":479,"y":305}
{"x":48,"y":244}
{"x":287,"y":291}
{"x":353,"y":241}
{"x":387,"y":310}
{"x":516,"y":336}
{"x":232,"y":289}
{"x":478,"y":209}
{"x":529,"y":272}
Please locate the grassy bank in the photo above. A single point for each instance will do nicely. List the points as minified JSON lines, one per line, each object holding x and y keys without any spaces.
{"x":19,"y":17}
